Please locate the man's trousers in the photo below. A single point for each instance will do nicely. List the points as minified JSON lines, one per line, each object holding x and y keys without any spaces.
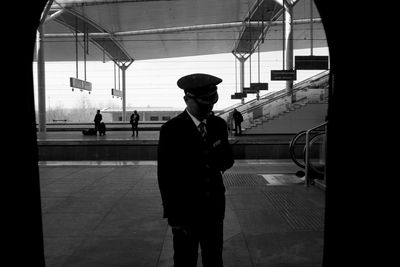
{"x":186,"y":240}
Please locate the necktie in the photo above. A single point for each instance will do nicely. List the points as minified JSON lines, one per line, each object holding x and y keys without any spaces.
{"x":203,"y":131}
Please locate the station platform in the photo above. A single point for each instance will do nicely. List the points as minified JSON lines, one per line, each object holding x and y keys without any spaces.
{"x":109,"y":213}
{"x":121,"y":146}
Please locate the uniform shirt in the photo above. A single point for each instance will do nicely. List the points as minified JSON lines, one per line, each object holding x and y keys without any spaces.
{"x":195,"y":120}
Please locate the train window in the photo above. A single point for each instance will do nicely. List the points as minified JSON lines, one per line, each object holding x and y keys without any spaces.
{"x":154,"y":118}
{"x":165,"y":118}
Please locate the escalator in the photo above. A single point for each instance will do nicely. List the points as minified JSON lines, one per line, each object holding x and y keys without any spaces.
{"x":311,"y":158}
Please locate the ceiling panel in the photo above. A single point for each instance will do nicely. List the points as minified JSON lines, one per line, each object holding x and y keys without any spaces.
{"x":124,"y":21}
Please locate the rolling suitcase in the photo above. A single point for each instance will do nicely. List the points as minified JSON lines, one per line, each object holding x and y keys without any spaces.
{"x":102,"y":128}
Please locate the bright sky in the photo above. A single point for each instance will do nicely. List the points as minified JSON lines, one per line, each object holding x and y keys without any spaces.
{"x":153,"y":82}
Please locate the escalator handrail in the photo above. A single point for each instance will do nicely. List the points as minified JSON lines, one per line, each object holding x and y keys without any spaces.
{"x":316,"y":127}
{"x":291,"y":148}
{"x":295,"y":139}
{"x":306,"y":159}
{"x":311,"y":141}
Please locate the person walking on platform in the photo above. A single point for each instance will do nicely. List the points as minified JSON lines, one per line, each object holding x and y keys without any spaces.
{"x":193,"y":153}
{"x":97,"y":119}
{"x":134,"y":121}
{"x":238,"y":118}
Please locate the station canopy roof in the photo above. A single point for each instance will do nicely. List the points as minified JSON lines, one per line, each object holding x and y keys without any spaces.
{"x":127,"y":30}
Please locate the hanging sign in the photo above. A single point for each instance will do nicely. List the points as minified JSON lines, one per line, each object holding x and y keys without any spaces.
{"x":80,"y":84}
{"x":311,"y":62}
{"x":283,"y":75}
{"x":249,"y":90}
{"x":115,"y":92}
{"x":238,"y":95}
{"x":259,"y":86}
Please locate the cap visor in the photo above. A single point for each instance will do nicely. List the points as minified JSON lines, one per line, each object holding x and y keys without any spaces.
{"x":212,"y":99}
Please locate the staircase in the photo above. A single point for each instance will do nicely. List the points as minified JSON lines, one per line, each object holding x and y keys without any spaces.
{"x":297,"y":117}
{"x":308,"y":99}
{"x":269,"y":118}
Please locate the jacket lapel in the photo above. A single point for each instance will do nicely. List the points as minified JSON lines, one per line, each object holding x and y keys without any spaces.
{"x":189,"y":129}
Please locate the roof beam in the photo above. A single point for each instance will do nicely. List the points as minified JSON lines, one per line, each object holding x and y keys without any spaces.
{"x":105,"y":41}
{"x":178,"y":29}
{"x":265,"y":14}
{"x":45,"y":12}
{"x":83,"y":3}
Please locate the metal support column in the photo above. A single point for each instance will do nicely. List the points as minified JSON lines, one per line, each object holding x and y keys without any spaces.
{"x":289,"y":45}
{"x":41,"y":81}
{"x":311,"y":27}
{"x":241,"y":81}
{"x":123,"y":68}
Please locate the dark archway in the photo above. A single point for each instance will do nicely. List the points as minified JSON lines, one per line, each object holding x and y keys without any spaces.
{"x":20,"y":173}
{"x":23,"y":208}
{"x":349,"y":219}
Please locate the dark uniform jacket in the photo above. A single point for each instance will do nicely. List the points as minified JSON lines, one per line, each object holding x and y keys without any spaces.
{"x":189,"y":170}
{"x":237,"y":116}
{"x":97,"y":118}
{"x":134,"y":119}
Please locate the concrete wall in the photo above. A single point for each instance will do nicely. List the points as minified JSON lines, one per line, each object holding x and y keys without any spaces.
{"x":147,"y":149}
{"x":293,"y":122}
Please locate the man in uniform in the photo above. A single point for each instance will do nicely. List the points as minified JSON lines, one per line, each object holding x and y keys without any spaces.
{"x":193,"y":153}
